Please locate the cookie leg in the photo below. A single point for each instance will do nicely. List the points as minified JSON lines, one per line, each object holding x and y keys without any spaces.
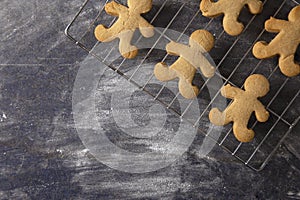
{"x":186,"y":89}
{"x":264,"y":50}
{"x":241,"y":132}
{"x":255,"y":6}
{"x":218,"y":118}
{"x":231,"y":24}
{"x":163,"y":73}
{"x":209,"y":8}
{"x":103,"y":34}
{"x":126,"y":49}
{"x":288,"y":66}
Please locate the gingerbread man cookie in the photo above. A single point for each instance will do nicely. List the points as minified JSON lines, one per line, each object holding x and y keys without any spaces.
{"x":284,"y":44}
{"x":129,"y":20}
{"x":243,"y":105}
{"x":231,"y":10}
{"x":191,"y":57}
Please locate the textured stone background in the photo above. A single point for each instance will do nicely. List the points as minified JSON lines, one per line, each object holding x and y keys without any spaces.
{"x":41,"y":155}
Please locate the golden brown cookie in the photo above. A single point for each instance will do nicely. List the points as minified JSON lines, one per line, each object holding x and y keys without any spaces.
{"x":129,"y":19}
{"x":243,"y":105}
{"x":191,"y":58}
{"x":284,"y":44}
{"x":231,"y":10}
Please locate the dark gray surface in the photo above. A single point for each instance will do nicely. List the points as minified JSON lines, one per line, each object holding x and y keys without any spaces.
{"x":42,"y":156}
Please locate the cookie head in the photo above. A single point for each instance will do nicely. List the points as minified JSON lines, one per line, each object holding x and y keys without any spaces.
{"x":140,"y":6}
{"x":295,"y":14}
{"x":203,"y":38}
{"x":258,"y":85}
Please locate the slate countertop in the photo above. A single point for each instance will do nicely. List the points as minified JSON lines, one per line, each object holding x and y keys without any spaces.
{"x":42,"y":156}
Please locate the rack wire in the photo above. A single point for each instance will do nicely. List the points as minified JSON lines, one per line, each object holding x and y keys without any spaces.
{"x":234,"y":63}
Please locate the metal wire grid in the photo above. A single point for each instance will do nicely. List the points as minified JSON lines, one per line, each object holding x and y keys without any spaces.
{"x":255,"y":155}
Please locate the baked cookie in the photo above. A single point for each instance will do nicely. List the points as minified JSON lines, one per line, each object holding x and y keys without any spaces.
{"x":129,"y":19}
{"x":191,"y":58}
{"x":284,"y":44}
{"x":231,"y":10}
{"x":243,"y":105}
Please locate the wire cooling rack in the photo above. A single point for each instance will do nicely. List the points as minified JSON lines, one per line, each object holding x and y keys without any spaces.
{"x":234,"y":60}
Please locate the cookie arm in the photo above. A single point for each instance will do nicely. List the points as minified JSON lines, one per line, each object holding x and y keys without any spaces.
{"x":146,"y":29}
{"x":174,"y":48}
{"x":200,"y":61}
{"x":262,"y":115}
{"x":113,"y":8}
{"x":230,"y":92}
{"x":275,"y":25}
